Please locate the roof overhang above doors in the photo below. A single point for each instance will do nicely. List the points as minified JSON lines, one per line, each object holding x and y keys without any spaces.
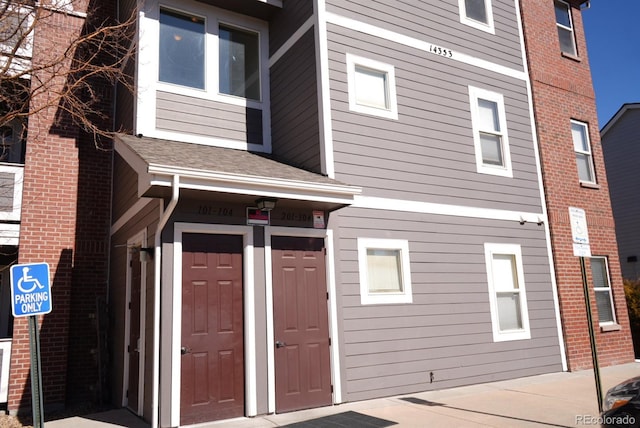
{"x":228,"y":171}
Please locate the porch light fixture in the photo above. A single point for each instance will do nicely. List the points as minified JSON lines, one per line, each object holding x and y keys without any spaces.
{"x":266,"y":204}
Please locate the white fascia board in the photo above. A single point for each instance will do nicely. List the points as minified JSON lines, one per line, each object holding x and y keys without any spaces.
{"x":445,"y":209}
{"x":243,"y":184}
{"x":137,"y":163}
{"x":276,"y":3}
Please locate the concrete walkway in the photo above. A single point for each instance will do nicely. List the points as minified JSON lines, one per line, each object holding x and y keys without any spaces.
{"x":550,"y":400}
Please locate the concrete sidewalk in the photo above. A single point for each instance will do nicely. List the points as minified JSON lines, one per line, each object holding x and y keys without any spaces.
{"x":552,"y":400}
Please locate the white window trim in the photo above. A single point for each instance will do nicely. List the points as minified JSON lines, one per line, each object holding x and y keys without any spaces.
{"x":392,"y":111}
{"x":609,"y":289}
{"x":490,"y":250}
{"x":18,"y":177}
{"x":573,"y":33}
{"x":5,"y":346}
{"x":148,"y":65}
{"x":488,"y":27}
{"x":367,"y":298}
{"x":589,"y":153}
{"x":474,"y":95}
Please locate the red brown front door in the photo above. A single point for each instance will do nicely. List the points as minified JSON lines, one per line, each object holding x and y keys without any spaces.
{"x":301,"y":325}
{"x":134,"y":330}
{"x":212,"y":375}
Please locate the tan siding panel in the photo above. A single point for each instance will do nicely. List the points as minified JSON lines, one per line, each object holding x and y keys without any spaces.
{"x":294,"y":106}
{"x":439,"y":22}
{"x":448,"y":325}
{"x":179,"y":113}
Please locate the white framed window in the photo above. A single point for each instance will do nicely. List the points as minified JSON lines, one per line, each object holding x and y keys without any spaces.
{"x":582,"y":147}
{"x":477,"y":14}
{"x":489,"y":125}
{"x":507,"y":293}
{"x":564,"y":23}
{"x":372,"y":87}
{"x":213,"y":53}
{"x":385,"y":276}
{"x":239,"y":62}
{"x":182,"y":49}
{"x":602,"y":288}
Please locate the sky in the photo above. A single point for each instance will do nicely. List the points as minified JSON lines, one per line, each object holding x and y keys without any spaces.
{"x":612,"y":28}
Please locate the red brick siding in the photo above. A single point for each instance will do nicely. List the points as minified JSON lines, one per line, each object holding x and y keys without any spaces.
{"x":65,"y":221}
{"x":563,"y":90}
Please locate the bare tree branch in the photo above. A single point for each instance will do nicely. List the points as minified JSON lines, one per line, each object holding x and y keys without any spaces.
{"x":77,"y":79}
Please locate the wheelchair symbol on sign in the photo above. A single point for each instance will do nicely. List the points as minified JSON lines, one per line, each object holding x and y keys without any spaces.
{"x":28,"y":279}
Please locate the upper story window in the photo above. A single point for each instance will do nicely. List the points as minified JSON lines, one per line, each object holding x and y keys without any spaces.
{"x":582,"y":147}
{"x":565,"y":28}
{"x":602,"y":288}
{"x":217,"y":53}
{"x":507,"y":294}
{"x":182,"y":56}
{"x":372,"y":87}
{"x":490,"y":137}
{"x":477,"y":14}
{"x":12,"y":147}
{"x":239,"y":62}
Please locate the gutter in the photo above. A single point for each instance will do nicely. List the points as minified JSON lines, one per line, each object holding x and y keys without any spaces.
{"x":157,"y":259}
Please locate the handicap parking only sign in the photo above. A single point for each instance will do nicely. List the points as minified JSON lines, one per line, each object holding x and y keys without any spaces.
{"x":30,"y":289}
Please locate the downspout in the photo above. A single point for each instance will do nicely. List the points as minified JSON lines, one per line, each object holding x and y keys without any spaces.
{"x":157,"y":261}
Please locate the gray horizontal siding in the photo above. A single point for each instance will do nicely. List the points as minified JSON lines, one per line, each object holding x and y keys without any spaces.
{"x":438,"y":22}
{"x":391,"y":349}
{"x":147,"y":219}
{"x":294,"y":106}
{"x":179,"y":113}
{"x":286,"y":21}
{"x":621,"y":149}
{"x":125,"y":187}
{"x":428,"y":153}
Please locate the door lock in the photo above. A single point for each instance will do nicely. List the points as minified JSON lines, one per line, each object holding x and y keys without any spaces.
{"x":184,"y":350}
{"x":280,"y":344}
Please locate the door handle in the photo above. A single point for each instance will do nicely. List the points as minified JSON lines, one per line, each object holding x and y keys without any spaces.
{"x":185,"y":350}
{"x":280,"y":344}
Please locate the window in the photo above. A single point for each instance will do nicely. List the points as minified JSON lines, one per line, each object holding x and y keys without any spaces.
{"x":217,"y":53}
{"x":565,"y":28}
{"x":12,"y":147}
{"x":507,"y":295}
{"x":602,"y":288}
{"x":489,"y":126}
{"x":477,"y":14}
{"x":182,"y":49}
{"x":239,"y":63}
{"x":384,"y":271}
{"x":582,"y":147}
{"x":372,"y":87}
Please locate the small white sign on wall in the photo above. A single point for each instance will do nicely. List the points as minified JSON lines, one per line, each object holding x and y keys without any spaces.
{"x":579,"y":232}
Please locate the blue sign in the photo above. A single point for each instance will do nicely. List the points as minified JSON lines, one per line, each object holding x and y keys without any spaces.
{"x":30,"y":289}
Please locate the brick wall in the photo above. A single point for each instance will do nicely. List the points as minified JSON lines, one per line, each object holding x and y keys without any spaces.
{"x":65,"y":222}
{"x":563,"y":90}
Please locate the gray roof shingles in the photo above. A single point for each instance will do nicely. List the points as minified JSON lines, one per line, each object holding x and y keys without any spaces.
{"x":212,"y":159}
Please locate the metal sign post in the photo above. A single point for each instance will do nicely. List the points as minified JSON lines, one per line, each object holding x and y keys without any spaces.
{"x":30,"y":297}
{"x":582,"y":249}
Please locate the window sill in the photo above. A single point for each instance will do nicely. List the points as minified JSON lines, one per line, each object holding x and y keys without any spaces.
{"x":571,"y":57}
{"x":589,"y":185}
{"x":610,"y":327}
